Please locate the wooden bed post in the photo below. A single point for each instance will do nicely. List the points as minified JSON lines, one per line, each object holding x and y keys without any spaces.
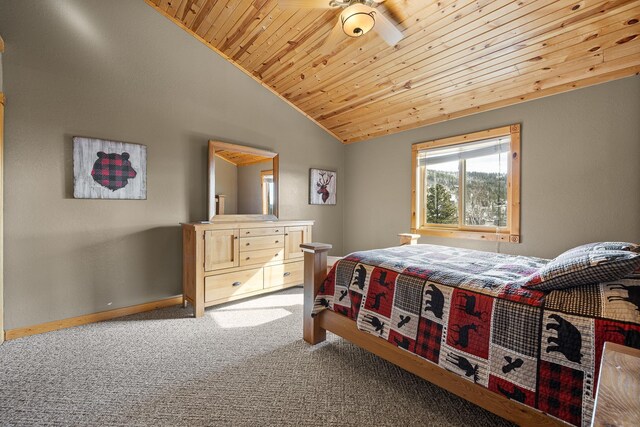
{"x":408,"y":239}
{"x":315,"y":271}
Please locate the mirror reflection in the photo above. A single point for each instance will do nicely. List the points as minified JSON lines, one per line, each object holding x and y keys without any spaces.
{"x":244,"y":181}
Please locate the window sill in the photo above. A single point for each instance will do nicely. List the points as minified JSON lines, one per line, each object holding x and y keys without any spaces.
{"x":465,"y":234}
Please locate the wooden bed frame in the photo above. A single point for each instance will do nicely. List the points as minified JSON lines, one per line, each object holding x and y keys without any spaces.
{"x":315,"y":271}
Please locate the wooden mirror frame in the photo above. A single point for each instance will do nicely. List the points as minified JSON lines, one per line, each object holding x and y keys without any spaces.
{"x":211,"y":202}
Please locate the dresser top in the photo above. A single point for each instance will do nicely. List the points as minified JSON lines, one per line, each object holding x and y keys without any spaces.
{"x":246,"y":224}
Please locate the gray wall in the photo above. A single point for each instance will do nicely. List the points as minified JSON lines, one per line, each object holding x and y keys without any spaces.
{"x":580,"y":175}
{"x":85,"y":67}
{"x":227,"y":184}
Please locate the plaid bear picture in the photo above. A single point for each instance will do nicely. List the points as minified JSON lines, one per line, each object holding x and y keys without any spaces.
{"x":109,"y":169}
{"x":466,"y":311}
{"x":113,"y":170}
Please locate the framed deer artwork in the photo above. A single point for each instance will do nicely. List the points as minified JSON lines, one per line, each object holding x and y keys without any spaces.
{"x":322,"y":187}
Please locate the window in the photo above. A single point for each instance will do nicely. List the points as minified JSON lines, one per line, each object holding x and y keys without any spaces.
{"x":267,"y":187}
{"x":468,"y":186}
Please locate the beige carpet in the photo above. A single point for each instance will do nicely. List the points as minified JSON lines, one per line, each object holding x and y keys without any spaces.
{"x":242,"y":364}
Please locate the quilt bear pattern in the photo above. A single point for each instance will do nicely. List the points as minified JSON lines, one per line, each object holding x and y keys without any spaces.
{"x":466,"y":311}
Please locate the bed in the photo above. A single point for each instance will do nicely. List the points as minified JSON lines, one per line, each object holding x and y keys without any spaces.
{"x":461,"y":320}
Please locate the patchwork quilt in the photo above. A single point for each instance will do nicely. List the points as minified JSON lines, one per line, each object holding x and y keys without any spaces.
{"x":466,"y":311}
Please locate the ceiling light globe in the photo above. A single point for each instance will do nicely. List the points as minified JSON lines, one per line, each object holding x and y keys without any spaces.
{"x":357,"y":20}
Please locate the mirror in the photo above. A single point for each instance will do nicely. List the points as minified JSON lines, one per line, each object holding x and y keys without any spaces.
{"x":242,"y":181}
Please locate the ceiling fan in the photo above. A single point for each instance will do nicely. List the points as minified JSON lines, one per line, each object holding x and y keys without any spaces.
{"x":357,"y":19}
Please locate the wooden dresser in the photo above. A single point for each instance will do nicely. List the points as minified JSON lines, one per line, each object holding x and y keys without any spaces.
{"x":226,"y":261}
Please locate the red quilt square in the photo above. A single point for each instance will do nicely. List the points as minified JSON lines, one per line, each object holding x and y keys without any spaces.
{"x":429,"y":340}
{"x":616,"y":332}
{"x":401,"y":341}
{"x":515,"y":293}
{"x":470,"y":322}
{"x":356,"y":302}
{"x":328,"y":286}
{"x":380,"y":292}
{"x":512,"y":391}
{"x":560,"y":392}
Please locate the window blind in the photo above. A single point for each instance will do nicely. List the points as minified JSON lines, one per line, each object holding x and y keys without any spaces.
{"x":464,"y":151}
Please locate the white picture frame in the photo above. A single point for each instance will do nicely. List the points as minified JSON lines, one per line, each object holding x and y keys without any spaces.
{"x":322,"y":187}
{"x":104,"y":169}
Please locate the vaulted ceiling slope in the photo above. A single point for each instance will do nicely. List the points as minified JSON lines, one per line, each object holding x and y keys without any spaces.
{"x":457,"y":57}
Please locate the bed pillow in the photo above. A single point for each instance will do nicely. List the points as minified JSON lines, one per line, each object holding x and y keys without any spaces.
{"x":583,"y":268}
{"x":602,"y":246}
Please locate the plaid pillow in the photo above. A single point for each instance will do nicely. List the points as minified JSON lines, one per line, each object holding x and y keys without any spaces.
{"x":602,"y":246}
{"x":583,"y":268}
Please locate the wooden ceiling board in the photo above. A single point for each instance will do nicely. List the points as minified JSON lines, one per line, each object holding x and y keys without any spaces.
{"x":563,"y":63}
{"x":438,"y":64}
{"x":458,"y":57}
{"x":470,"y":88}
{"x":241,"y":159}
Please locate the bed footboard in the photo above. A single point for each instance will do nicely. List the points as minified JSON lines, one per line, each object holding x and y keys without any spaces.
{"x":315,"y":271}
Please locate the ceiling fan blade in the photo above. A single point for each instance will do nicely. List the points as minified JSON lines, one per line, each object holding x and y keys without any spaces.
{"x":387,"y":30}
{"x":396,"y":13}
{"x":335,"y":36}
{"x":305,"y":4}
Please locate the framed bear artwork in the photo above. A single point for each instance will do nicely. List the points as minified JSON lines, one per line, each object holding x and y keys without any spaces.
{"x":109,"y":169}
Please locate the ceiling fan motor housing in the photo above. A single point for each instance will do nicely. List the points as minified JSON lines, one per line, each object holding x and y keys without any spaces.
{"x":357,"y":19}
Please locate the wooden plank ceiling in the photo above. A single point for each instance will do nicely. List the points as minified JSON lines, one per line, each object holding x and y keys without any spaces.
{"x":241,"y":159}
{"x":458,"y":57}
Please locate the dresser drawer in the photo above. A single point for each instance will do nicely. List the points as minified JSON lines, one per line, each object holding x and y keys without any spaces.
{"x":264,"y":231}
{"x":229,"y":284}
{"x":261,"y":242}
{"x":261,"y":257}
{"x":284,"y":274}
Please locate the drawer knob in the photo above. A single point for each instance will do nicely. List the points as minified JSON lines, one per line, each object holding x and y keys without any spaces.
{"x":277,"y":231}
{"x":236,"y":284}
{"x":287,"y":273}
{"x":277,"y":241}
{"x":247,"y":232}
{"x":248,"y":258}
{"x":248,"y":244}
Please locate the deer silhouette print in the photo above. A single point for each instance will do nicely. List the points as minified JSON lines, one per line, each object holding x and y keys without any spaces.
{"x":342,"y":295}
{"x":436,"y":303}
{"x":631,"y":337}
{"x":469,"y":307}
{"x":361,"y":275}
{"x":322,"y":184}
{"x":633,"y":294}
{"x":569,"y":340}
{"x":516,"y":394}
{"x":382,"y":280}
{"x":375,"y":322}
{"x":403,"y":320}
{"x":464,"y":364}
{"x":511,"y":364}
{"x":463,"y":334}
{"x":377,"y":298}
